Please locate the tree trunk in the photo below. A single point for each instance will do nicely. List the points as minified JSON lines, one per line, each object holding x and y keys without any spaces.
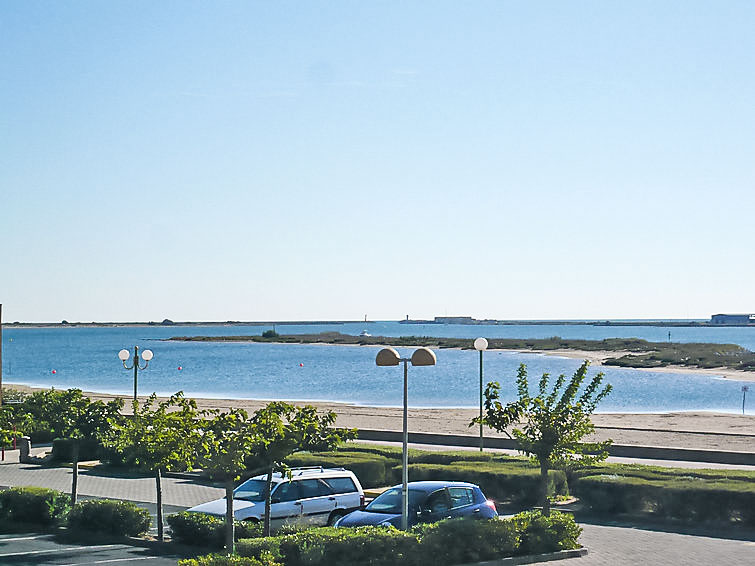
{"x":229,"y":535}
{"x":544,"y":488}
{"x":75,"y":462}
{"x":268,"y":501}
{"x":159,"y":487}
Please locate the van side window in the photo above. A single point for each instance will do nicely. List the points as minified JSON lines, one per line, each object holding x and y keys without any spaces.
{"x":287,"y":491}
{"x":341,"y":485}
{"x":313,"y":488}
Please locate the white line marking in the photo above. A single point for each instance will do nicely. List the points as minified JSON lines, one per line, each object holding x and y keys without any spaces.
{"x":67,"y":549}
{"x":23,"y":538}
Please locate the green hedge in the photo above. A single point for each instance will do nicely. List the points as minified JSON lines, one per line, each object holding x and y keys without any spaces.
{"x":447,"y":543}
{"x":200,"y":529}
{"x":122,"y":518}
{"x":225,"y":560}
{"x":500,"y":481}
{"x":329,"y":546}
{"x":34,"y":505}
{"x":62,"y":450}
{"x":541,"y":534}
{"x":371,"y":469}
{"x":687,"y":498}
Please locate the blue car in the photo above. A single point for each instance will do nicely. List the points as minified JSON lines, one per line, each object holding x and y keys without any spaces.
{"x":429,"y":501}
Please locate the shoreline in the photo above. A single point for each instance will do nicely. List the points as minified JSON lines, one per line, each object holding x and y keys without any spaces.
{"x":694,"y":429}
{"x":597,"y":357}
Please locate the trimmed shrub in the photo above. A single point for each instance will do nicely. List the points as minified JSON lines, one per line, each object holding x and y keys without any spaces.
{"x":200,"y":529}
{"x":681,"y":497}
{"x":328,"y":546}
{"x":232,"y":560}
{"x":108,"y":516}
{"x":448,"y":543}
{"x":462,"y":541}
{"x":34,"y":505}
{"x":62,"y":450}
{"x":371,"y":469}
{"x":498,"y":480}
{"x":540,"y":534}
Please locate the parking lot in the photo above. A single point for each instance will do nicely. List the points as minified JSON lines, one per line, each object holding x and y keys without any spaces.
{"x":34,"y":549}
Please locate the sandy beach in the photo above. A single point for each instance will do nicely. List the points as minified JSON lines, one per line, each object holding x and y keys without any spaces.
{"x":715,"y":431}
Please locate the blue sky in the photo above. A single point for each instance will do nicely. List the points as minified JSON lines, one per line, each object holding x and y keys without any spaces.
{"x":327,"y":160}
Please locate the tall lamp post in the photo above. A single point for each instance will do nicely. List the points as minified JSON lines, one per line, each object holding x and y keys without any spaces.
{"x":420,"y":357}
{"x":147,"y":355}
{"x":481,"y":344}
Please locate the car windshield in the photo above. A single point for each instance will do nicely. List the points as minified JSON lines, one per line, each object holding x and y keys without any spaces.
{"x":390,"y":501}
{"x":251,"y":490}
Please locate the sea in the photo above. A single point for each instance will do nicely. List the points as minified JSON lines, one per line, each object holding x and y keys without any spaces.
{"x":87,"y":358}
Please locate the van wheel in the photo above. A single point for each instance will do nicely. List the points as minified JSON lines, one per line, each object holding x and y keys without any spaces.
{"x":334,"y":516}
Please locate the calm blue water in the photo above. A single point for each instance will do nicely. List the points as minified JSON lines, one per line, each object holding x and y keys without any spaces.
{"x":87,"y":358}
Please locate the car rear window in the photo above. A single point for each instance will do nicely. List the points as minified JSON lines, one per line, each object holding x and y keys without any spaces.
{"x":341,"y":485}
{"x":460,"y":496}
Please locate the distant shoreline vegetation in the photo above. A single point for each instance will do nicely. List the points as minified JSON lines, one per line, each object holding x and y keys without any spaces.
{"x":631,"y":352}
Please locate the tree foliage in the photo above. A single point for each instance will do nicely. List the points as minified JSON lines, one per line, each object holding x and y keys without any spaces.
{"x":551,"y":424}
{"x":161,"y":436}
{"x":228,"y":439}
{"x":282,"y":429}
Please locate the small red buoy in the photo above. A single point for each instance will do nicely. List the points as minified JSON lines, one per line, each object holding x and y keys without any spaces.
{"x":54,"y":371}
{"x":301,"y":365}
{"x":180,"y":368}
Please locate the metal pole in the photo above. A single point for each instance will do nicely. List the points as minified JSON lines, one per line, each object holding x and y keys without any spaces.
{"x":481,"y":441}
{"x":405,"y":456}
{"x":136,"y":368}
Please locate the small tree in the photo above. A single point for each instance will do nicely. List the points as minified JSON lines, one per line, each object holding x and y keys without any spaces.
{"x":161,"y":436}
{"x":282,"y":429}
{"x":553,"y":422}
{"x":80,"y":418}
{"x":227,"y":440}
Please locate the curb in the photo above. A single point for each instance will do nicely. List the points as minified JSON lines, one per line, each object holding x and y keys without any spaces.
{"x":533,"y":558}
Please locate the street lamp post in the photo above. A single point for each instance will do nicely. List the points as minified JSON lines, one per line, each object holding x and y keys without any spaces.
{"x":420,"y":357}
{"x":147,"y":355}
{"x":481,"y":344}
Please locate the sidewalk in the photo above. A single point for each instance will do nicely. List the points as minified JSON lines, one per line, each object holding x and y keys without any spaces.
{"x":609,"y":545}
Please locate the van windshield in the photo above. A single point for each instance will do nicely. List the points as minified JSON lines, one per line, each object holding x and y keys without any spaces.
{"x":251,"y":490}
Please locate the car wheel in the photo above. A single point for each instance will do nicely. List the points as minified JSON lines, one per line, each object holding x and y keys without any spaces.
{"x":334,"y":516}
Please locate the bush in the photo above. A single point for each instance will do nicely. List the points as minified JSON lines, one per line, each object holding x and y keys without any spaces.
{"x":62,"y":450}
{"x":540,"y":534}
{"x":501,"y":481}
{"x":448,"y":543}
{"x":688,"y":495}
{"x":225,"y":560}
{"x":200,"y":529}
{"x":122,"y":518}
{"x":34,"y":505}
{"x":472,"y":541}
{"x":328,"y":546}
{"x":371,"y":469}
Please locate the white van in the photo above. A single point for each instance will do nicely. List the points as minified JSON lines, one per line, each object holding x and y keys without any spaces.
{"x":312,"y":496}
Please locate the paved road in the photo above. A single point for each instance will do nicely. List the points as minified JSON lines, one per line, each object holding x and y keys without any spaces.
{"x":33,"y":549}
{"x":619,"y":546}
{"x":609,"y":545}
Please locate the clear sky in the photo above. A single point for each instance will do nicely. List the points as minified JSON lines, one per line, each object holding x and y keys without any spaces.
{"x":331,"y":160}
